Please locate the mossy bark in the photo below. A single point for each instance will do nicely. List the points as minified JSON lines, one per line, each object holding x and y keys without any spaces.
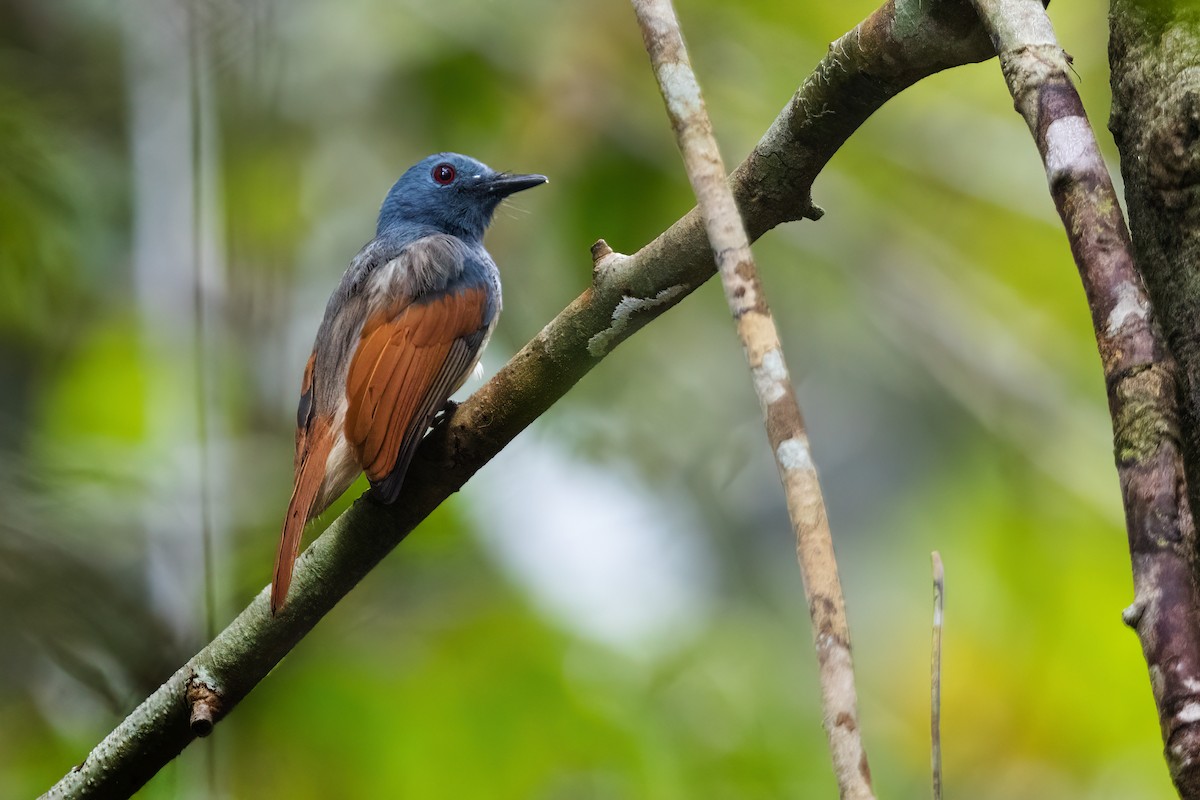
{"x":1155,"y":58}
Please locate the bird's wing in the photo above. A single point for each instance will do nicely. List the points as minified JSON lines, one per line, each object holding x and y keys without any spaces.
{"x":407,"y":364}
{"x":317,"y":438}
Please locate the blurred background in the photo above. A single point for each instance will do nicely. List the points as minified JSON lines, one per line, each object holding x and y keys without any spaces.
{"x":612,"y":609}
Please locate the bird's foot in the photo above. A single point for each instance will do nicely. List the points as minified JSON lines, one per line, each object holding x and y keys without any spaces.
{"x":443,"y":416}
{"x":440,"y":426}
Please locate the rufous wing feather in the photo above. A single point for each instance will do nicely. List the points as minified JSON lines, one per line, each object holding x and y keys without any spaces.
{"x":395,"y":386}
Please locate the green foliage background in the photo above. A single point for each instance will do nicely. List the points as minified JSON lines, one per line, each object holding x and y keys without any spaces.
{"x":932,"y":319}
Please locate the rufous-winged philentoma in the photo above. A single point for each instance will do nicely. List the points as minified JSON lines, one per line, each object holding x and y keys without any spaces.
{"x":401,"y":333}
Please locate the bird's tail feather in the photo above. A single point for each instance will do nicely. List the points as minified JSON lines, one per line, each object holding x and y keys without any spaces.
{"x":310,"y":474}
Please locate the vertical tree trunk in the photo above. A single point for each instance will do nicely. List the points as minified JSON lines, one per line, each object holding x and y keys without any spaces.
{"x":1155,"y":58}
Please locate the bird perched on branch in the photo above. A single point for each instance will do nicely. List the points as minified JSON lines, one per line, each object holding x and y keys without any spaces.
{"x":401,"y":333}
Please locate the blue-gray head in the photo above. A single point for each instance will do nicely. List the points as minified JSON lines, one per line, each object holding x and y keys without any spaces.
{"x":450,"y":192}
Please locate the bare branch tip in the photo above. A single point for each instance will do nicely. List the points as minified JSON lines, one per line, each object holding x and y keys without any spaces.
{"x":603,"y":259}
{"x":205,"y":703}
{"x":600,"y":251}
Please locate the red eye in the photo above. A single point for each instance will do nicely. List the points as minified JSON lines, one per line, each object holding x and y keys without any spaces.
{"x":443,"y":174}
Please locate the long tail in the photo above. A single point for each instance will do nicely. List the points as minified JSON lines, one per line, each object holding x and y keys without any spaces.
{"x":310,"y":474}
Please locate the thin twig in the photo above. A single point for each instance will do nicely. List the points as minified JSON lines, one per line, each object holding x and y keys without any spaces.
{"x":1139,"y":372}
{"x":864,"y":69}
{"x":773,"y":385}
{"x":935,"y":681}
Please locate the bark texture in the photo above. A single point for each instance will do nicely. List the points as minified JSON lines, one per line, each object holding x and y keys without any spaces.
{"x":773,"y":385}
{"x":1154,"y":53}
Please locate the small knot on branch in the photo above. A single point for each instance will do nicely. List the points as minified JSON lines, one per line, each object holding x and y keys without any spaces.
{"x":812,"y":211}
{"x":603,"y":259}
{"x":1133,"y":615}
{"x":600,"y":250}
{"x":205,"y":703}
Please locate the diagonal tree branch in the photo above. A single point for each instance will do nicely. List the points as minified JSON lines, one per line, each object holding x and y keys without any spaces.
{"x":902,"y":42}
{"x":773,"y":385}
{"x":1138,"y":370}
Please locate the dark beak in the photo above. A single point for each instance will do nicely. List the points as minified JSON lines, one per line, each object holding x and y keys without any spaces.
{"x":505,"y":184}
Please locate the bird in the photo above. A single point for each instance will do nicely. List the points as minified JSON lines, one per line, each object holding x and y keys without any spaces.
{"x":401,"y":333}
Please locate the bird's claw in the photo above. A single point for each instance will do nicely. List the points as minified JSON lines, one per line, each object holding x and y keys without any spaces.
{"x":440,"y":424}
{"x":443,"y":416}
